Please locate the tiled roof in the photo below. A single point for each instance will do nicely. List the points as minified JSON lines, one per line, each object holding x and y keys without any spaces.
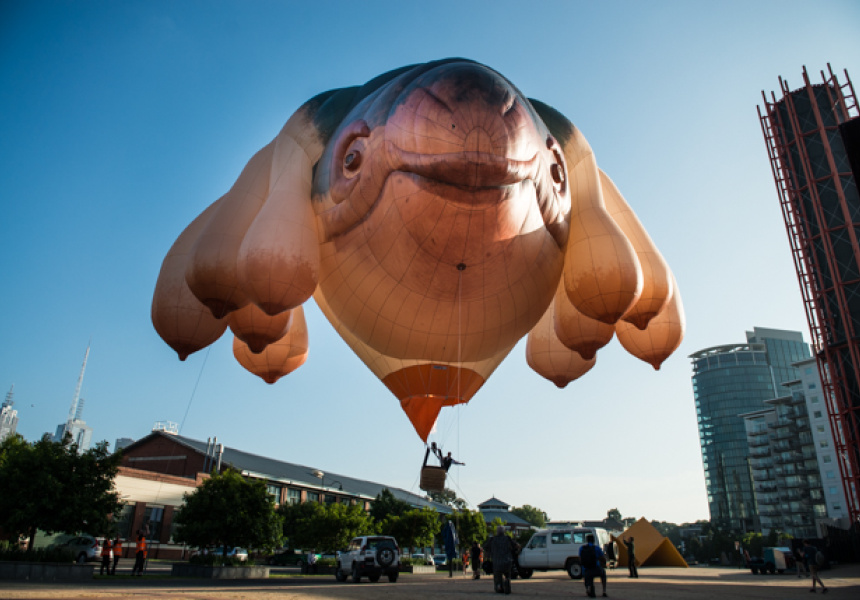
{"x":277,"y":470}
{"x":506,"y":516}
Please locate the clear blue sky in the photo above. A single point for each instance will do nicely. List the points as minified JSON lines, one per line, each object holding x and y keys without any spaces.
{"x":121,"y":121}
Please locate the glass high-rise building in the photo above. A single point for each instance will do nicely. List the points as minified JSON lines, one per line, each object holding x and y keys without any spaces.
{"x":728,"y":381}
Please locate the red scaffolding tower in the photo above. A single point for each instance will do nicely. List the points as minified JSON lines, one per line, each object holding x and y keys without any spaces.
{"x":818,"y":195}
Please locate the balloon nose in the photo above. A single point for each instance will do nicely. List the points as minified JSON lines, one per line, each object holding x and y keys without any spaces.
{"x":465,"y":83}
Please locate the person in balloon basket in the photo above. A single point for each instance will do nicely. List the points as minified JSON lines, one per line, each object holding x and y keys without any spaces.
{"x":593,"y":561}
{"x":814,"y":561}
{"x":106,"y":556}
{"x":476,"y":556}
{"x":140,"y":555}
{"x":448,"y":460}
{"x":631,"y":557}
{"x":502,"y":550}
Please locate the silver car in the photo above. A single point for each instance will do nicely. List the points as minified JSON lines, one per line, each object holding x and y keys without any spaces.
{"x":84,"y":548}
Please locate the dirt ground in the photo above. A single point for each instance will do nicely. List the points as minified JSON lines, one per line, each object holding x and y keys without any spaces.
{"x":695,"y":583}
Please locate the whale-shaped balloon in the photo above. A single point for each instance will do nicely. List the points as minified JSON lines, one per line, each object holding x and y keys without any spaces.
{"x":433,"y":213}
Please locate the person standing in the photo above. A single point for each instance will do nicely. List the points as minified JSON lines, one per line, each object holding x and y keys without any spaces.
{"x":592,"y":558}
{"x":800,"y":563}
{"x":475,"y":555}
{"x":502,"y":552}
{"x":810,"y":557}
{"x":117,"y":553}
{"x":106,"y":556}
{"x":140,"y":555}
{"x":312,"y":561}
{"x":448,"y":460}
{"x":631,"y":557}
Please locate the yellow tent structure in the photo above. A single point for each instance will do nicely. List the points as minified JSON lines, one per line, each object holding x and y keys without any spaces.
{"x":652,"y":549}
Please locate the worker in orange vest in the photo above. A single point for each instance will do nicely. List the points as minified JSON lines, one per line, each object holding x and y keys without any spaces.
{"x":106,"y":556}
{"x":117,"y":552}
{"x":140,"y":556}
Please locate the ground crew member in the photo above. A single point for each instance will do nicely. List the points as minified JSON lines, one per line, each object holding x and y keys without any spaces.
{"x":140,"y":555}
{"x":106,"y":556}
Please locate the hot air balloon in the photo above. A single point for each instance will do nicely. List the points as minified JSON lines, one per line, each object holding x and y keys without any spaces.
{"x":436,"y":215}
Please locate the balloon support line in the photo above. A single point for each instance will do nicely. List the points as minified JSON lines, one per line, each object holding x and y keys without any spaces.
{"x":194,"y":391}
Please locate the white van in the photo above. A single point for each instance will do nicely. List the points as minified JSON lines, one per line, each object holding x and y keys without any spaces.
{"x":557,"y":549}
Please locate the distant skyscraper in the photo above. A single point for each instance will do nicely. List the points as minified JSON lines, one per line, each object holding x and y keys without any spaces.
{"x":122,"y":443}
{"x":728,"y":381}
{"x":8,"y":416}
{"x":813,"y":139}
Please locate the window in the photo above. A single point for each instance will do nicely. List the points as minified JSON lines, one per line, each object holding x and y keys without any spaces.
{"x":294,"y":496}
{"x":538,"y":541}
{"x":152,"y":517}
{"x":831,"y":490}
{"x":274,"y":492}
{"x":817,"y":414}
{"x":830,"y":475}
{"x":823,"y":444}
{"x":826,"y":459}
{"x":813,"y":399}
{"x":560,"y":537}
{"x":330,"y":499}
{"x":819,"y":428}
{"x":313,"y":497}
{"x":837,"y":507}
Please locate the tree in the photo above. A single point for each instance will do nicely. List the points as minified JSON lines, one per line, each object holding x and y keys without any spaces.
{"x":229,"y":510}
{"x":448,"y":498}
{"x":614,"y":513}
{"x":50,"y":486}
{"x":326,"y":527}
{"x":414,"y":528}
{"x":532,"y":515}
{"x":386,"y":505}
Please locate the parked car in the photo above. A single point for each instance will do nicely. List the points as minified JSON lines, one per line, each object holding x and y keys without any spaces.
{"x":369,"y":556}
{"x":440,"y":560}
{"x":422,"y":559}
{"x":84,"y":548}
{"x":557,"y":549}
{"x":236,"y":552}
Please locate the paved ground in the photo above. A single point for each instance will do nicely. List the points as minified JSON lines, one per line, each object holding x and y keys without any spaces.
{"x":695,"y":583}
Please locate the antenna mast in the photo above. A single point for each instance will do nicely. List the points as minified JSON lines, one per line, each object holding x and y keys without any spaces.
{"x":74,"y":409}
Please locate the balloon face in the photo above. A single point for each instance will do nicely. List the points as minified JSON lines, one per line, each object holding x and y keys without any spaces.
{"x":434,"y":214}
{"x":442,"y":204}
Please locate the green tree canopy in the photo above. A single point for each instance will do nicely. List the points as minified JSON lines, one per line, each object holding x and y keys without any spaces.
{"x":50,"y":486}
{"x":229,"y":510}
{"x":470,"y":526}
{"x":326,"y":527}
{"x":532,"y":515}
{"x":614,"y":513}
{"x":386,"y":505}
{"x":413,"y":529}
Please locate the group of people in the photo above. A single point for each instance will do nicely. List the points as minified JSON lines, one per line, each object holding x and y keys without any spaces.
{"x":445,"y":461}
{"x":502,"y":550}
{"x":113,"y":549}
{"x":110,"y":548}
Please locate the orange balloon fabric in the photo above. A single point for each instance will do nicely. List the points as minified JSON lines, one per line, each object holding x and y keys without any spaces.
{"x":662,"y":336}
{"x":257,"y":329}
{"x":182,"y":321}
{"x":279,"y":358}
{"x":435,"y":214}
{"x":549,"y":358}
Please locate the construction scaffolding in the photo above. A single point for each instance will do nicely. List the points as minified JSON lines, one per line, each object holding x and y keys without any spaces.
{"x":812,"y":138}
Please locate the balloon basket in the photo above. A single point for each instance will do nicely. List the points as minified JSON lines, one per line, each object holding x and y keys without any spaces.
{"x":432,"y":479}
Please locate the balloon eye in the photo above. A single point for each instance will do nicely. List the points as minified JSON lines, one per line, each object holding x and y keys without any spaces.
{"x":352,"y":160}
{"x":557,"y":173}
